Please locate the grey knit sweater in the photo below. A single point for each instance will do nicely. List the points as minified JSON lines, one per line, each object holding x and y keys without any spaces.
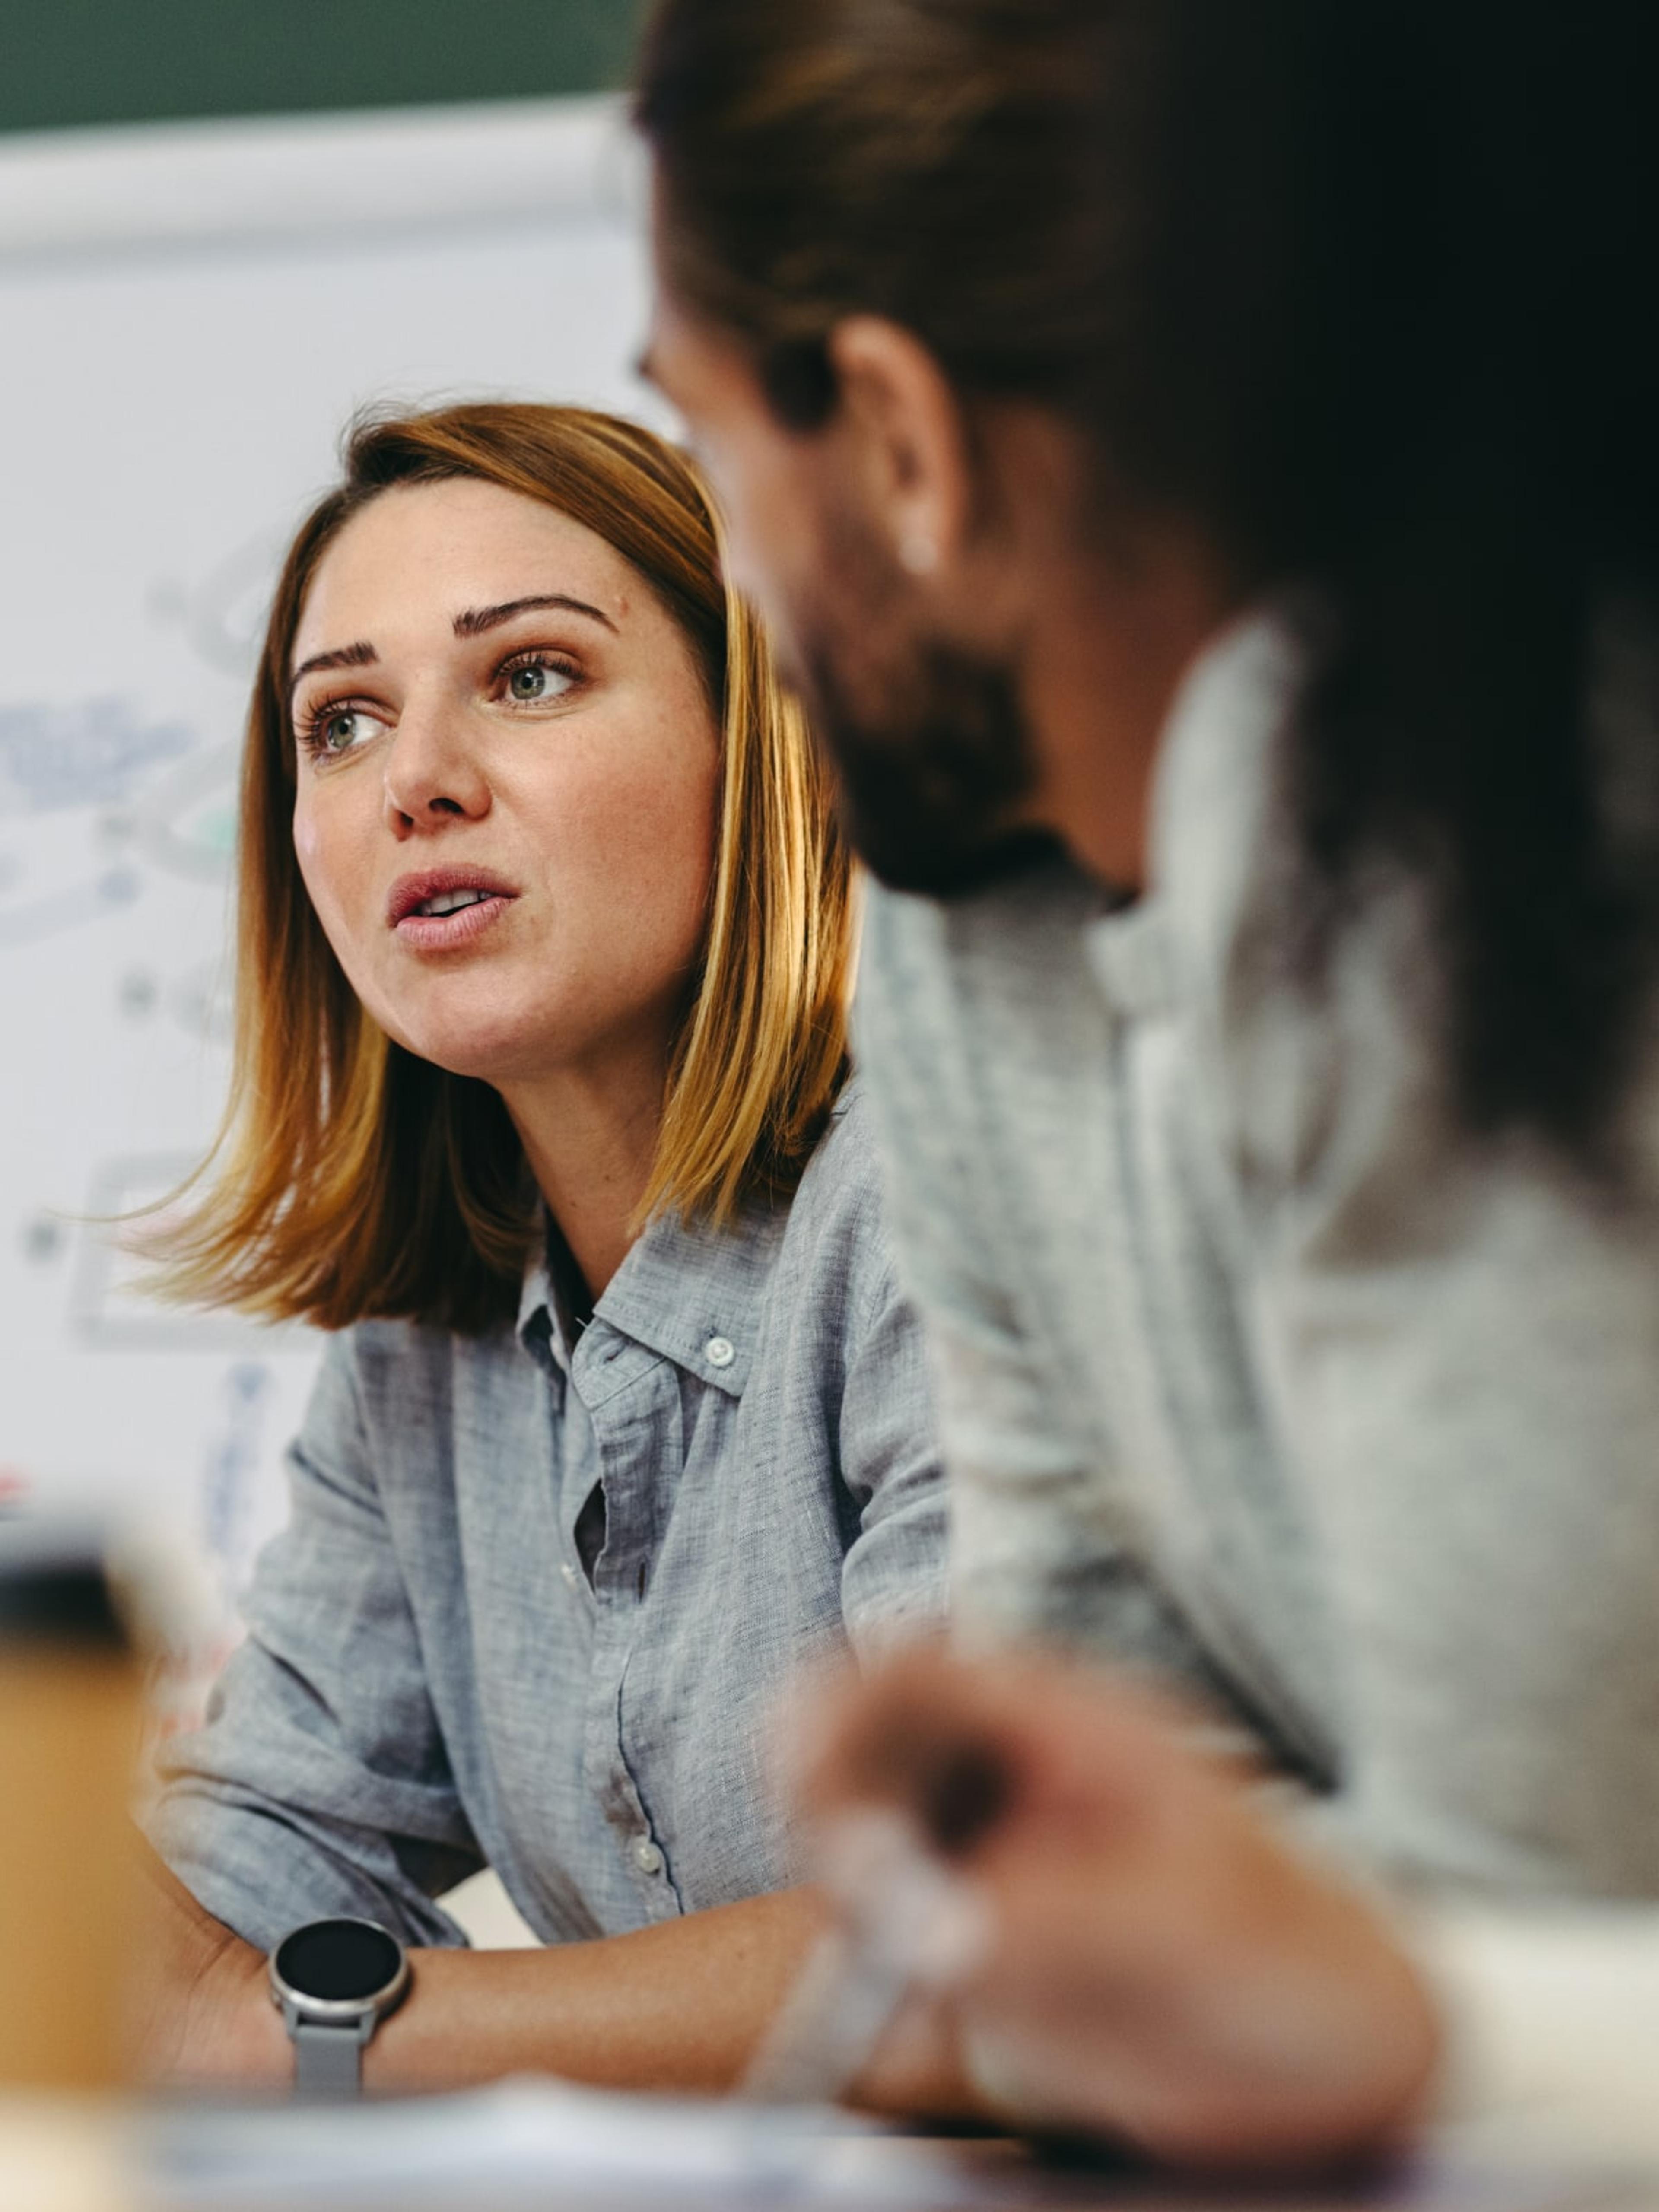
{"x":1252,"y":1366}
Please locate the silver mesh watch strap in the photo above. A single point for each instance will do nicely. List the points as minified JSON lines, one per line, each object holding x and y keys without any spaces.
{"x":328,"y":2061}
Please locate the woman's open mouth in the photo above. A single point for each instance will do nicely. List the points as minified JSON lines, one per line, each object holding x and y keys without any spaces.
{"x":447,"y":907}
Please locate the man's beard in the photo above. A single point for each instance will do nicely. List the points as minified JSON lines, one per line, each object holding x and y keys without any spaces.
{"x":933,"y":755}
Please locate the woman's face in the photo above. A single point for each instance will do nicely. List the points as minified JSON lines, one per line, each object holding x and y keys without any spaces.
{"x":508,"y":775}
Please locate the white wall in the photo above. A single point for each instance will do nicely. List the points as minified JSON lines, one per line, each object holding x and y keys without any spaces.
{"x":187,"y":318}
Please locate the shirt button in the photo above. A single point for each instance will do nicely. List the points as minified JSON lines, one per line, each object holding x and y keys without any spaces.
{"x":719,"y":1352}
{"x":647,"y":1857}
{"x":570,"y":1574}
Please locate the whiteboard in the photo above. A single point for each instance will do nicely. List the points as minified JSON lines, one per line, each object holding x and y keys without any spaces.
{"x":190,"y":314}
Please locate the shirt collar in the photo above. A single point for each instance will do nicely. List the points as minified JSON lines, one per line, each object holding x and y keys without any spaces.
{"x":543,"y":1326}
{"x":687,"y":1291}
{"x":536,"y":1295}
{"x":693,"y":1293}
{"x":1211,"y":813}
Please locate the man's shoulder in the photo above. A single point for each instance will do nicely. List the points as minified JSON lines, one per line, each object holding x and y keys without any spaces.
{"x":978,"y":1008}
{"x":1036,"y":920}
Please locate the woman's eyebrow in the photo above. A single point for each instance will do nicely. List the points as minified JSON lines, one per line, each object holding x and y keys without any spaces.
{"x":473,"y":623}
{"x":360,"y":655}
{"x":479,"y":619}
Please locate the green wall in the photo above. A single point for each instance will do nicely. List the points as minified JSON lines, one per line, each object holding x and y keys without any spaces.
{"x":65,"y":62}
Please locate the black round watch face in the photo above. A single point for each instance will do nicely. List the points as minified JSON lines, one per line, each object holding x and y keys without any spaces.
{"x":339,"y":1961}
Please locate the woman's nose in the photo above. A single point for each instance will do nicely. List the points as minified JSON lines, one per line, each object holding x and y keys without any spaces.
{"x":432,"y":775}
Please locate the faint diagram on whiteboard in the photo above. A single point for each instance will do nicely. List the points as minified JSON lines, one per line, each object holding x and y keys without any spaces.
{"x":110,"y":1309}
{"x":149,"y":794}
{"x":27,"y":921}
{"x":200,"y":1000}
{"x":237,"y":1505}
{"x":89,"y":754}
{"x":230,"y":1478}
{"x":186,"y":819}
{"x":55,"y":761}
{"x":223,"y":617}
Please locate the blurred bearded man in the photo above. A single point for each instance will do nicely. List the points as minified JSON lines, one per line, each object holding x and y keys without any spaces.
{"x":1199,"y":462}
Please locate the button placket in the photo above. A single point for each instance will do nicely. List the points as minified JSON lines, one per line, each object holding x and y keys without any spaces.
{"x":647,"y":1856}
{"x":634,"y":1426}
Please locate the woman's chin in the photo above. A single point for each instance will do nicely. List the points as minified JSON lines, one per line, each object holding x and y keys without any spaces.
{"x":492,"y":1057}
{"x":511,"y":1043}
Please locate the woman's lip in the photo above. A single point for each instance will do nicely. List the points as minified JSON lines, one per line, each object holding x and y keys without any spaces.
{"x":410,"y":892}
{"x":450,"y":933}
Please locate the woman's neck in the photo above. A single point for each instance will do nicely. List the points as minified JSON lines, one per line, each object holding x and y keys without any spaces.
{"x":590,"y":1136}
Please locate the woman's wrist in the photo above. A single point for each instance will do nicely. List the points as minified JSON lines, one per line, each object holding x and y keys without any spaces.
{"x":232,"y":2036}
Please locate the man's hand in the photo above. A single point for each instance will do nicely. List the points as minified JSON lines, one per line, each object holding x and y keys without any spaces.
{"x":1159,"y":1964}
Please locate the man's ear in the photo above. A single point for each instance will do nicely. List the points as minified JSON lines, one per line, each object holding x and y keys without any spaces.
{"x":905,"y":437}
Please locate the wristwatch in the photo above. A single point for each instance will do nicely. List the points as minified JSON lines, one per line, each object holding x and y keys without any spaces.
{"x":334,"y":1982}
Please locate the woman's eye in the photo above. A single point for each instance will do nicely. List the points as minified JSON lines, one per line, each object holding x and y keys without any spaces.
{"x":340,"y":729}
{"x":532,"y":680}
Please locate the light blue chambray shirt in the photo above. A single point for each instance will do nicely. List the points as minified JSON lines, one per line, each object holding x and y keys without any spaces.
{"x":432,"y":1683}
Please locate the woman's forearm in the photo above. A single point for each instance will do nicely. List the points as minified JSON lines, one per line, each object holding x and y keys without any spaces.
{"x":677,"y":2007}
{"x":680,"y":2007}
{"x":199,"y":2012}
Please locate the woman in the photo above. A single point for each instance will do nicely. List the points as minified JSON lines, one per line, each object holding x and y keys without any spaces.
{"x":541,"y":1106}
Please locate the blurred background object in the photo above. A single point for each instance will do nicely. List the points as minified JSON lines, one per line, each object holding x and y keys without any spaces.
{"x":68,"y":1739}
{"x":198,"y":291}
{"x":104,"y":61}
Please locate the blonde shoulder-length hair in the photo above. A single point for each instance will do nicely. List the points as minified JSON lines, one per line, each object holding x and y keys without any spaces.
{"x":351,"y":1180}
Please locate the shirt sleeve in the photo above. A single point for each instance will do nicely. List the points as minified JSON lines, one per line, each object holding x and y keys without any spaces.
{"x":894,"y":1576}
{"x":320,"y":1784}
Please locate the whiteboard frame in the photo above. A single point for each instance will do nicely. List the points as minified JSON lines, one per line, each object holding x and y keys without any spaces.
{"x":140,"y":189}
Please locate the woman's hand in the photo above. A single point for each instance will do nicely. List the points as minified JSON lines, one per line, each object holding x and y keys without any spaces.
{"x":1158,"y":1964}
